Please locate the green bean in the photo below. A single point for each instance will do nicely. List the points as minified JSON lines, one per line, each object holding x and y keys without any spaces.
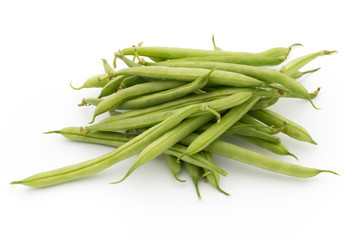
{"x":246,"y":119}
{"x":195,"y":174}
{"x":99,"y":164}
{"x":169,"y":139}
{"x":157,"y":59}
{"x":213,"y":177}
{"x":213,"y":42}
{"x":97,"y":81}
{"x":276,"y":148}
{"x":263,"y":74}
{"x":127,"y":61}
{"x":156,"y":117}
{"x":217,"y":129}
{"x":239,"y":128}
{"x":255,"y":159}
{"x":107,"y":67}
{"x":189,"y":74}
{"x":293,"y":66}
{"x":265,"y":103}
{"x":175,"y":53}
{"x":298,"y":74}
{"x":248,"y":60}
{"x":174,"y":165}
{"x":113,"y":85}
{"x":291,"y":129}
{"x":132,"y":81}
{"x":127,"y":93}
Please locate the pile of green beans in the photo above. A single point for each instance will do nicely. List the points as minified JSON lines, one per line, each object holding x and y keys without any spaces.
{"x":185,"y":103}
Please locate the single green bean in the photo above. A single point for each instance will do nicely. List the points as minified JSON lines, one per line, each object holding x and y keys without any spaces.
{"x":298,"y":74}
{"x":189,"y":74}
{"x":265,"y":103}
{"x":217,"y":129}
{"x":293,"y":66}
{"x":255,"y":159}
{"x":97,"y":81}
{"x":276,"y":148}
{"x":291,"y":129}
{"x":131,"y":92}
{"x":195,"y":174}
{"x":175,"y":53}
{"x":132,"y":81}
{"x":213,"y":177}
{"x":113,"y":85}
{"x":174,"y":165}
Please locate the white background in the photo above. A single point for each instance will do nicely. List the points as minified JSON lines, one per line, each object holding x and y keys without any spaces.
{"x":45,"y":45}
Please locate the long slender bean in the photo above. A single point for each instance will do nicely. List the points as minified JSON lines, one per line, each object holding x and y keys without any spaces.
{"x":174,"y":166}
{"x":195,"y":174}
{"x":189,"y":74}
{"x":255,"y":159}
{"x":291,"y":129}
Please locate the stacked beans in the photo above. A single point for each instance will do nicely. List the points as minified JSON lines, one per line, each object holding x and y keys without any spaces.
{"x":181,"y":103}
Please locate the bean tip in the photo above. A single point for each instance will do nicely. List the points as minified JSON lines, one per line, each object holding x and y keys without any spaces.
{"x":16,"y":182}
{"x":75,"y":87}
{"x":329,"y":171}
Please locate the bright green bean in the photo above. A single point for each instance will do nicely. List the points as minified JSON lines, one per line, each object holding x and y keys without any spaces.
{"x":291,"y":129}
{"x":113,"y":85}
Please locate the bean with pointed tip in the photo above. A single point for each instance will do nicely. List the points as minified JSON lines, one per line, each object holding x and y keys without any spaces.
{"x":174,"y":166}
{"x":291,"y":129}
{"x":195,"y":174}
{"x":276,"y":148}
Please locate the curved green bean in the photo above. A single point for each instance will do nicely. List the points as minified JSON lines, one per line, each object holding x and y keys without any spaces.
{"x":195,"y":174}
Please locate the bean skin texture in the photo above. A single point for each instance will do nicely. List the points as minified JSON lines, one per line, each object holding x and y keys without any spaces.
{"x":291,"y":129}
{"x":188,"y":74}
{"x":112,"y":86}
